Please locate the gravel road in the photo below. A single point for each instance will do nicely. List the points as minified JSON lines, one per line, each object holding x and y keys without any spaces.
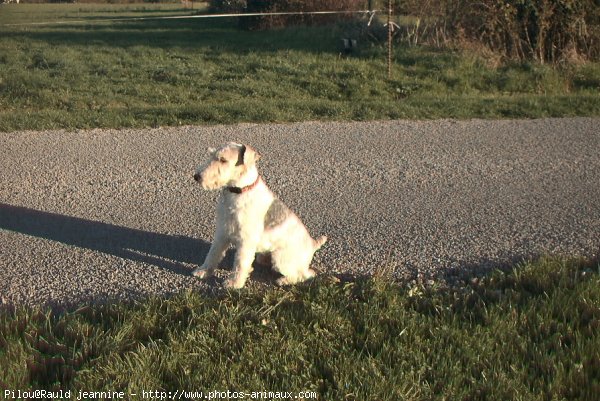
{"x":103,"y":214}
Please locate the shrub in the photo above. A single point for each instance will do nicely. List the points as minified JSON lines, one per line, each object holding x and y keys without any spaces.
{"x":227,"y":6}
{"x":279,"y":21}
{"x":544,"y":30}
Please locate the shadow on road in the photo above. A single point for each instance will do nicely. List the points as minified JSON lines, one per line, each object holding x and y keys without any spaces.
{"x":165,"y":251}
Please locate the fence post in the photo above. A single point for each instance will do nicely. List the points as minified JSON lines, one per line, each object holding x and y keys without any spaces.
{"x":390,"y":28}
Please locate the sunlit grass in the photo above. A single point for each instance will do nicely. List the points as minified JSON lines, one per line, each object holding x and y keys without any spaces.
{"x":171,"y":72}
{"x":529,"y":334}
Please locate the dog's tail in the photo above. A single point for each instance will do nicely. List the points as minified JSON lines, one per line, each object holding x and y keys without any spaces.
{"x":318,"y":243}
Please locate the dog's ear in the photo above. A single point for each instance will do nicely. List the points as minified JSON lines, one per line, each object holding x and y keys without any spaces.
{"x":247,"y":156}
{"x":250,"y":156}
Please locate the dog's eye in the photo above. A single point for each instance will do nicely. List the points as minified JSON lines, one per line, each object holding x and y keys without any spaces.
{"x":222,"y":160}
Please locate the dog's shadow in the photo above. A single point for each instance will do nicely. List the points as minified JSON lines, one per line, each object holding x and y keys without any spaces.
{"x":174,"y":253}
{"x":169,"y":252}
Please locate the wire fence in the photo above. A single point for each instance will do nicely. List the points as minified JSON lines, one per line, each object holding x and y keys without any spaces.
{"x":203,"y":16}
{"x":349,"y":43}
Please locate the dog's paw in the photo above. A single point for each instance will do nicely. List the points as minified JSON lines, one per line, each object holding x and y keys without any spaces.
{"x":234,"y":283}
{"x":202,"y":272}
{"x":282,"y":281}
{"x":310,"y":273}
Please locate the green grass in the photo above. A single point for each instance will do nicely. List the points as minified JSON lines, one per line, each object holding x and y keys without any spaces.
{"x":195,"y":71}
{"x":531,"y":334}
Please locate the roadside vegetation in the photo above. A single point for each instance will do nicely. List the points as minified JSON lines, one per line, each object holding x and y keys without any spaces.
{"x":528,"y":334}
{"x":197,"y":71}
{"x":532,"y":333}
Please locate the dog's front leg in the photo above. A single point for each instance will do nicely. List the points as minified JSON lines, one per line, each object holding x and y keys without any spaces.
{"x":215,"y":255}
{"x":242,"y":264}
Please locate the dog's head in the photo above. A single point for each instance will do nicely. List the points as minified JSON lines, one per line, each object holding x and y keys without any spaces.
{"x":226,"y":165}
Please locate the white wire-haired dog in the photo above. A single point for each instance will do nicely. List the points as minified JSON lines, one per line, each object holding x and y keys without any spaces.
{"x":250,"y":217}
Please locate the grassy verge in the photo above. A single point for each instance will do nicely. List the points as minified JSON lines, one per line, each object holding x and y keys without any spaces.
{"x":532,"y":334}
{"x":171,"y":72}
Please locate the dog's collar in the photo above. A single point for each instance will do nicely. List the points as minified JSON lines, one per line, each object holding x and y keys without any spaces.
{"x":238,"y":190}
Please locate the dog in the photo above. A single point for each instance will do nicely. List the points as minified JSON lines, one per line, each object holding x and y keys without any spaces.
{"x":253,"y":219}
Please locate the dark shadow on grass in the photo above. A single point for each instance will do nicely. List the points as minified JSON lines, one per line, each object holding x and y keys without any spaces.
{"x":168,"y":252}
{"x":463,"y":272}
{"x":221,"y":35}
{"x":117,"y":12}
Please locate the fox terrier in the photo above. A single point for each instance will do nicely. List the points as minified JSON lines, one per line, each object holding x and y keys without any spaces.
{"x":253,"y":219}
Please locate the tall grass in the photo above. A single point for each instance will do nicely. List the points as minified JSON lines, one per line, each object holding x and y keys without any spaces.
{"x":553,"y":31}
{"x":531,"y":334}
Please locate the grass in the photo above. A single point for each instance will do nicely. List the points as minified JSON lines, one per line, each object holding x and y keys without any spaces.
{"x":196,"y":71}
{"x":530,"y":334}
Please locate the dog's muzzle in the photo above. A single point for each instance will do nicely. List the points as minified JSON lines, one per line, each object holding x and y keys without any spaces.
{"x":197,"y":177}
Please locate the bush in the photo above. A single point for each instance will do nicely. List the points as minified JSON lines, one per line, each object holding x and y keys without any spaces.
{"x":279,"y":21}
{"x":227,"y":6}
{"x":544,"y":30}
